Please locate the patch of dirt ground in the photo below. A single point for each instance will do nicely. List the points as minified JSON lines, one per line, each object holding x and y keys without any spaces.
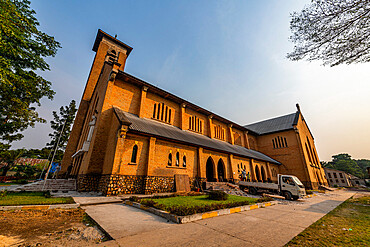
{"x":55,"y":227}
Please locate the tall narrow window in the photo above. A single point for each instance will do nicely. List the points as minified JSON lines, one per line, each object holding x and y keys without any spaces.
{"x":165,"y":115}
{"x":158,"y":111}
{"x":273,"y":143}
{"x":177,"y":159}
{"x":184,"y":161}
{"x":154,"y":111}
{"x":286,"y":144}
{"x":190,"y":126}
{"x":162,"y":111}
{"x":170,"y":159}
{"x":134,"y":154}
{"x":279,"y":141}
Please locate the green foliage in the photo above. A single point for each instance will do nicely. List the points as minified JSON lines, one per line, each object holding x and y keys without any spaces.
{"x":344,"y":162}
{"x":336,"y":32}
{"x":25,"y":171}
{"x":23,"y":49}
{"x":65,"y":117}
{"x":9,"y":157}
{"x":217,"y":195}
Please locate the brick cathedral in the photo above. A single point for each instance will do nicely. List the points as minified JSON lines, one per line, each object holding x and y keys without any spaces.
{"x":132,"y":137}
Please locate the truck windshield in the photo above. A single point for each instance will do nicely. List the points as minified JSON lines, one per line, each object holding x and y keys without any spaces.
{"x":298,"y":182}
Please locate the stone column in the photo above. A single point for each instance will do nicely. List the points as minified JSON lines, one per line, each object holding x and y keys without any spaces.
{"x":121,"y":136}
{"x":231,"y":167}
{"x":246,"y":141}
{"x":200,"y":167}
{"x":151,"y":154}
{"x":182,"y":116}
{"x":307,"y":182}
{"x":144,"y":90}
{"x":268,"y":168}
{"x":210,"y":129}
{"x":231,"y":136}
{"x":253,"y":173}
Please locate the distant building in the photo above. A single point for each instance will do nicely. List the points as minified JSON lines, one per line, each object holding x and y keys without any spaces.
{"x":342,"y":179}
{"x":130,"y":136}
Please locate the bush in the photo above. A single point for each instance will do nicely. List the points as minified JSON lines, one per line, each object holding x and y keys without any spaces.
{"x":335,"y":186}
{"x":264,"y":199}
{"x":149,"y":203}
{"x":189,"y":210}
{"x":218,"y":195}
{"x":3,"y":193}
{"x":20,"y":181}
{"x":46,"y":194}
{"x":134,"y":198}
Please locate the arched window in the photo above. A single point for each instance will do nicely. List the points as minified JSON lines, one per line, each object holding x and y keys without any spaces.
{"x":134,"y":154}
{"x":177,"y":159}
{"x":238,"y":168}
{"x":170,"y":159}
{"x":184,"y":161}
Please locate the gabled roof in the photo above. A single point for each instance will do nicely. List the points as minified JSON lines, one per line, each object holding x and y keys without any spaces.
{"x":277,"y":124}
{"x":169,"y":132}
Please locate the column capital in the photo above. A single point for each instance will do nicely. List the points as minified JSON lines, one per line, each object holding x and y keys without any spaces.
{"x":145,"y":88}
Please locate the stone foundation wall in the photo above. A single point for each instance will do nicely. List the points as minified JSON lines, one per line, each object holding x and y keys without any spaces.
{"x":88,"y":182}
{"x":124,"y":184}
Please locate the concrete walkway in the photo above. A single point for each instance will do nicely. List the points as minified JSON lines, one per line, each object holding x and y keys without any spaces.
{"x":271,"y":226}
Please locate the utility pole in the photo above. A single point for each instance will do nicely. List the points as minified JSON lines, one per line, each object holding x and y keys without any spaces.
{"x":55,"y":150}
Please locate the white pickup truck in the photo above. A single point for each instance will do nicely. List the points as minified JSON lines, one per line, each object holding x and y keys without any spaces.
{"x":288,"y":186}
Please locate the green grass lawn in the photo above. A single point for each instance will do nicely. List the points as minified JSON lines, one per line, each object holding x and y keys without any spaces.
{"x":200,"y":200}
{"x":31,"y":198}
{"x":187,"y":205}
{"x":346,"y":225}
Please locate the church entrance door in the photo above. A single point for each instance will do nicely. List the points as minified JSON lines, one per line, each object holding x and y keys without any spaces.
{"x":221,"y":171}
{"x":210,"y":170}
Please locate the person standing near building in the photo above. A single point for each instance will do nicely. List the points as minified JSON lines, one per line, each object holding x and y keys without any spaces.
{"x":244,"y":175}
{"x":56,"y":172}
{"x":248,"y":177}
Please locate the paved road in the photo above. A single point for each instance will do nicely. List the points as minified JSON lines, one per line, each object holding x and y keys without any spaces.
{"x":271,"y":226}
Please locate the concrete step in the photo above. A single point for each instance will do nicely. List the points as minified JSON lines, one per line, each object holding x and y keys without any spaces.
{"x":52,"y":184}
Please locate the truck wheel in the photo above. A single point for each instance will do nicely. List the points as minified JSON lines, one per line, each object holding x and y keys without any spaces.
{"x":252,"y":190}
{"x":288,"y":195}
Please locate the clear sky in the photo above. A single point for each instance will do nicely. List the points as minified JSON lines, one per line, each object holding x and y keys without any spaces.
{"x":226,"y":56}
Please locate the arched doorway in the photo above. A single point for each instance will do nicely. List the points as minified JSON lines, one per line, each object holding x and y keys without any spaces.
{"x":263,"y":174}
{"x":210,"y":170}
{"x":221,"y":171}
{"x":258,"y":175}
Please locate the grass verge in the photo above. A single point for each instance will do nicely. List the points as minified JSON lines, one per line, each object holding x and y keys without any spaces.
{"x":31,"y":198}
{"x":346,"y":225}
{"x":187,"y":205}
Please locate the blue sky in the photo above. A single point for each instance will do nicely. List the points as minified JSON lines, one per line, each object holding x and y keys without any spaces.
{"x":226,"y":56}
